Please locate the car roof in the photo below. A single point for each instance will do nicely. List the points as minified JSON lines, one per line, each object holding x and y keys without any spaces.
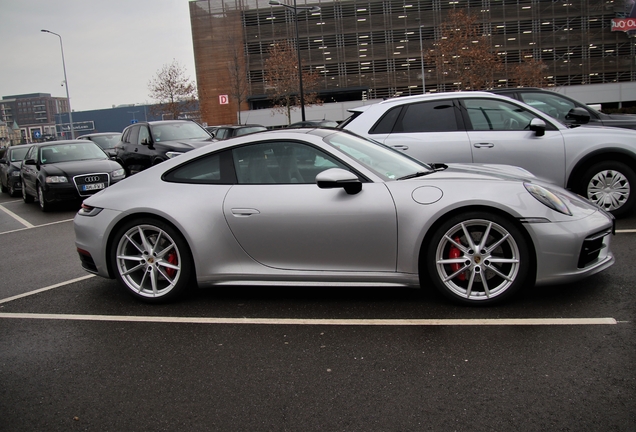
{"x":424,"y":97}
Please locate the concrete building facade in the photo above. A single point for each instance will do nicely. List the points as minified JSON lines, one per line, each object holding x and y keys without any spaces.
{"x":372,"y":49}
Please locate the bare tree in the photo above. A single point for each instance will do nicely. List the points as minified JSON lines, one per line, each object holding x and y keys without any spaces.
{"x":239,"y":88}
{"x":529,"y":73}
{"x":174,"y":92}
{"x":281,"y":80}
{"x":462,"y":54}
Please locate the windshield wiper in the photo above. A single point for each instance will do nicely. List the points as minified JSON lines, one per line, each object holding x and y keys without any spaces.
{"x":434,"y":168}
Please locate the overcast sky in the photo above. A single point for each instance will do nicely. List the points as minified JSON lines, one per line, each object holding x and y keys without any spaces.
{"x":112,"y":48}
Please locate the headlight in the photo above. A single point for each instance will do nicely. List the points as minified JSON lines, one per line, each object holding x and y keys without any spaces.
{"x":118,"y":174}
{"x":548,"y":198}
{"x":15,"y":174}
{"x":56,"y":179}
{"x":172,"y":154}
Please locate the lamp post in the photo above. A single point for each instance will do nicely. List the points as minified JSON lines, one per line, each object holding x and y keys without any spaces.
{"x":422,"y":60}
{"x":68,"y":98}
{"x":295,"y":10}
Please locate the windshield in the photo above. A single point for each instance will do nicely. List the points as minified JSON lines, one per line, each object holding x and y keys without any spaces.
{"x":386,"y":162}
{"x":71,"y":152}
{"x":106,"y":141}
{"x":18,"y":154}
{"x":178,"y":131}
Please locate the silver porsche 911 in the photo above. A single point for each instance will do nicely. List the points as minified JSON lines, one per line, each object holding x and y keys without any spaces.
{"x":320,"y":206}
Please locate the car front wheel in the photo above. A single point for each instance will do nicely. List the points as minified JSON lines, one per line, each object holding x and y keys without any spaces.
{"x":25,"y":195}
{"x":44,"y":206}
{"x":609,"y":185}
{"x":478,"y":258}
{"x":151,"y":260}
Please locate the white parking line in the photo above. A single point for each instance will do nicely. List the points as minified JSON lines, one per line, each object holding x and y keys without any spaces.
{"x":16,"y":217}
{"x":35,"y":226}
{"x":297,"y":321}
{"x":50,"y":287}
{"x":321,"y":322}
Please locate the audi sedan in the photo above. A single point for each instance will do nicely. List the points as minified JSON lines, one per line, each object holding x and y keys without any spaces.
{"x":251,"y":210}
{"x":61,"y":171}
{"x":596,"y":162}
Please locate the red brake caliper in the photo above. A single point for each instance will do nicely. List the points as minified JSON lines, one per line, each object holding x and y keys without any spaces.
{"x":454,"y":252}
{"x":172,"y":259}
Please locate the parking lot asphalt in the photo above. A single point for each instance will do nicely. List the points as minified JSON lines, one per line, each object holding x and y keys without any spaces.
{"x":76,"y":352}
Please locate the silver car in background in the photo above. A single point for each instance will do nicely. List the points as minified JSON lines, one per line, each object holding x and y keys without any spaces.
{"x":303,"y":206}
{"x":478,"y":127}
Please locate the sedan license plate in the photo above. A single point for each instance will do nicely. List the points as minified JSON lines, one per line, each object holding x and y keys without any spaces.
{"x":92,"y":186}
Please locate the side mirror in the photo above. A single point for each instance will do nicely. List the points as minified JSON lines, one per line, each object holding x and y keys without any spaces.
{"x":30,"y":162}
{"x":339,"y":178}
{"x":578,"y":115}
{"x":538,"y":126}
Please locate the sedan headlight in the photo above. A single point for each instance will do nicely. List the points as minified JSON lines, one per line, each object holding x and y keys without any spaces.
{"x":172,"y":154}
{"x":15,"y":174}
{"x":548,"y":198}
{"x":118,"y":174}
{"x":56,"y":179}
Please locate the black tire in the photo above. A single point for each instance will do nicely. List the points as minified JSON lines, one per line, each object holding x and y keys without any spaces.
{"x":3,"y":188}
{"x":44,"y":206}
{"x":611,"y":185}
{"x":159,"y":272}
{"x":12,"y":191}
{"x":458,"y":272}
{"x":25,"y":195}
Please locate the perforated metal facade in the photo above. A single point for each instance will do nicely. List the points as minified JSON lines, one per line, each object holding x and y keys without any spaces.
{"x":374,"y":46}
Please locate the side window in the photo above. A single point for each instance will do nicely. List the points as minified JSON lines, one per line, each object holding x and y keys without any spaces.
{"x":144,"y":135}
{"x":490,"y":114}
{"x":216,"y":168}
{"x":436,"y":116}
{"x":31,"y":154}
{"x":386,"y":123}
{"x":552,"y":105}
{"x":220,"y":133}
{"x":125,"y":136}
{"x":134,"y":135}
{"x":281,"y":162}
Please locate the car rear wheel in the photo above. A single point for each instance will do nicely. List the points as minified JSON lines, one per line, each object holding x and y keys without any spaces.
{"x":478,"y":258}
{"x":151,"y":260}
{"x":609,"y":185}
{"x":3,"y":188}
{"x":25,"y":195}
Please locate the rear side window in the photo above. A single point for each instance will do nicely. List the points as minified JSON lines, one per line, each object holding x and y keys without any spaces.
{"x":216,"y":168}
{"x":387,"y":122}
{"x":435,"y":116}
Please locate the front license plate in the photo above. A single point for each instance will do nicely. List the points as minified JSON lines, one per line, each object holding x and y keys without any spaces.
{"x":93,"y":186}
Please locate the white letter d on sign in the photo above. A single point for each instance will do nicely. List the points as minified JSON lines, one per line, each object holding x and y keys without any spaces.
{"x":224,"y":100}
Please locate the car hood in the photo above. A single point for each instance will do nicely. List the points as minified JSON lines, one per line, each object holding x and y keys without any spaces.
{"x":182,"y":145}
{"x":485,"y":171}
{"x":620,"y":120}
{"x":16,"y":165}
{"x":71,"y":169}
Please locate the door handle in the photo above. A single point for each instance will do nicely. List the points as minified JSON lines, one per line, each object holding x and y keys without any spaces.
{"x":487,"y":145}
{"x":244,"y":212}
{"x":401,"y":147}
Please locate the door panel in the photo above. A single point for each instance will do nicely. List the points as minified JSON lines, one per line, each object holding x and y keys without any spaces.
{"x":302,"y":227}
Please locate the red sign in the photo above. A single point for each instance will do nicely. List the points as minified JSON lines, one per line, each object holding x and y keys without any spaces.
{"x":224,"y":100}
{"x":623,"y":24}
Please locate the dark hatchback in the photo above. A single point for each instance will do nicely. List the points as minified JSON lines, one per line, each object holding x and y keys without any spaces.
{"x":105,"y":140}
{"x":10,"y":169}
{"x":61,"y":171}
{"x":146,"y":144}
{"x":564,"y":108}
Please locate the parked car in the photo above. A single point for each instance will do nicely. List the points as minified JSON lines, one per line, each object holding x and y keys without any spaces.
{"x":145,"y":144}
{"x":227,"y":132}
{"x":10,"y":169}
{"x":69,"y":170}
{"x":481,"y":127}
{"x":248,"y":210}
{"x":566,"y":109}
{"x":314,"y":123}
{"x":105,"y":140}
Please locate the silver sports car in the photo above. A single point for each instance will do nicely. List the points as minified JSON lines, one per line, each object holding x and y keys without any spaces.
{"x":319,"y":206}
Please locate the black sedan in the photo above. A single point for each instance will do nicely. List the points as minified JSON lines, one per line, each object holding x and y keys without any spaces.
{"x":71,"y":170}
{"x":10,"y":169}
